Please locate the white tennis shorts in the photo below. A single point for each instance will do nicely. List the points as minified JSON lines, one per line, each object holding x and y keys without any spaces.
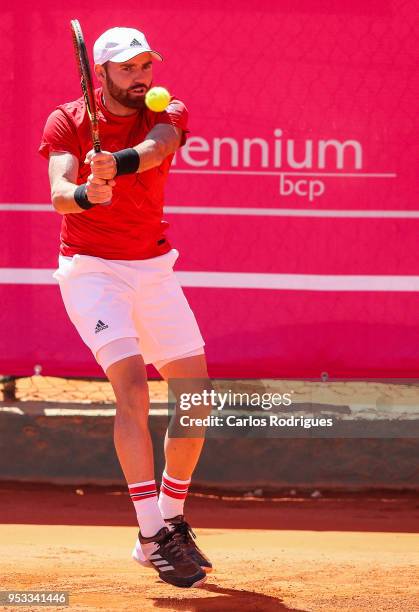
{"x":111,"y":299}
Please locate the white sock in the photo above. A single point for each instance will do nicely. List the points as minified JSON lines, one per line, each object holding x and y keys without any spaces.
{"x":172,"y":496}
{"x":144,"y":498}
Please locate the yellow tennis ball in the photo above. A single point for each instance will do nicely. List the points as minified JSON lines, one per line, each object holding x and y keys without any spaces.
{"x":157,"y":99}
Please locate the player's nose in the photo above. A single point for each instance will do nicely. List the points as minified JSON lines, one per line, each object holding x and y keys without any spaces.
{"x":139,"y":78}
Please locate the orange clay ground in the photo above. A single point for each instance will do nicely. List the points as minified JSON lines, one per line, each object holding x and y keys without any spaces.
{"x":335,"y":552}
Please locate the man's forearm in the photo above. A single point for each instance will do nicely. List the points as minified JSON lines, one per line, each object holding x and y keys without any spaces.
{"x":161,"y":141}
{"x":62,"y":197}
{"x":152,"y":154}
{"x":67,"y":197}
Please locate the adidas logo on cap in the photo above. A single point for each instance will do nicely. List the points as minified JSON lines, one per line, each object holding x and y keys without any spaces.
{"x":100,"y":326}
{"x":135,"y":43}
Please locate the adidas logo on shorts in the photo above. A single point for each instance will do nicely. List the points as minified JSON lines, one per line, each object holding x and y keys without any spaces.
{"x":100,"y":326}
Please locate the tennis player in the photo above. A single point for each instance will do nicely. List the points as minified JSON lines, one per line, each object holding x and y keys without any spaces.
{"x":117,"y":282}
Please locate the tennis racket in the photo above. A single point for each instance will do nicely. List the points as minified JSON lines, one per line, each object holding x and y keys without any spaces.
{"x":86,"y":82}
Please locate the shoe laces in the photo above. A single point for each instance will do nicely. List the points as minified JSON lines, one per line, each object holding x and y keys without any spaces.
{"x":173,"y":544}
{"x":185,"y":531}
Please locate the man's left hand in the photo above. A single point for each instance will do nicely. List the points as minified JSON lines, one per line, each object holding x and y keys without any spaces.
{"x":103,"y":164}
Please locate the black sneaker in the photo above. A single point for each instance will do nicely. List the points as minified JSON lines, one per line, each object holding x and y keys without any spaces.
{"x":182,"y":527}
{"x":170,"y":560}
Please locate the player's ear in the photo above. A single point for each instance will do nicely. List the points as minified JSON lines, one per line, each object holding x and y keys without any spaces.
{"x":100,"y":72}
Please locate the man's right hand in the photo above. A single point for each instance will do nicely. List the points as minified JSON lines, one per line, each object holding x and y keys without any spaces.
{"x":98,"y":190}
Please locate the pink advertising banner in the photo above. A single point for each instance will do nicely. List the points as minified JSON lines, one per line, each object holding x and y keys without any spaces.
{"x":293,"y":203}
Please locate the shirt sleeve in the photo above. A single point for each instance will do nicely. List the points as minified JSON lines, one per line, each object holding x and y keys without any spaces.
{"x":59,"y":136}
{"x":175,"y":114}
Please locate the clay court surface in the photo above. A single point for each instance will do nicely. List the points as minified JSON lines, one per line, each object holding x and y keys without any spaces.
{"x":330,"y":553}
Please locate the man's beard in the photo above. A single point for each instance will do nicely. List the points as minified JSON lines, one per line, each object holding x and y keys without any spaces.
{"x":124,"y":97}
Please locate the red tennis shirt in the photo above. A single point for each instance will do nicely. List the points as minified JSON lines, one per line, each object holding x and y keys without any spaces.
{"x":132,"y":227}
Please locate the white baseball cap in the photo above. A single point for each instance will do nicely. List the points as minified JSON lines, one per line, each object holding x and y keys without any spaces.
{"x":120,"y":45}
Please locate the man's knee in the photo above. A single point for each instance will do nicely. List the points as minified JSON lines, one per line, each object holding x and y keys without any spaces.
{"x":132,"y":406}
{"x":133,"y":397}
{"x":129,"y":382}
